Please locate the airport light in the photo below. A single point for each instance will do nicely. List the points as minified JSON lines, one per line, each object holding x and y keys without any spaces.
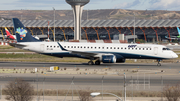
{"x":94,"y":94}
{"x":124,"y":87}
{"x":43,"y":88}
{"x":102,"y":86}
{"x":134,"y":28}
{"x":37,"y":86}
{"x":48,"y":30}
{"x":151,"y":16}
{"x":77,"y":6}
{"x":54,"y":23}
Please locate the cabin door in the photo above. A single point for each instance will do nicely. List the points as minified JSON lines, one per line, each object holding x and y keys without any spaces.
{"x":155,"y":50}
{"x":42,"y":47}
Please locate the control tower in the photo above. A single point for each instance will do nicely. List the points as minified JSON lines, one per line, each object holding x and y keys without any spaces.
{"x":77,"y":6}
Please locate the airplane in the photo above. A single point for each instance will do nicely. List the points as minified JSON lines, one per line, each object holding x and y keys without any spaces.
{"x":8,"y":35}
{"x":100,"y":52}
{"x":175,"y":37}
{"x":13,"y":37}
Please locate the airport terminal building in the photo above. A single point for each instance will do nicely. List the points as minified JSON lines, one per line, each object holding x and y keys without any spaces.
{"x":147,"y":30}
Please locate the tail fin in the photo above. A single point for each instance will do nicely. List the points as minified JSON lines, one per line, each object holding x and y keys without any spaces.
{"x":9,"y":34}
{"x":22,"y":34}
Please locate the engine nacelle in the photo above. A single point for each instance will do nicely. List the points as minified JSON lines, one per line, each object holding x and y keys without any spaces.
{"x":108,"y":58}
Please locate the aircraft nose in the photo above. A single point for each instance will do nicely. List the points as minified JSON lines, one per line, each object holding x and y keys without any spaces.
{"x":174,"y":55}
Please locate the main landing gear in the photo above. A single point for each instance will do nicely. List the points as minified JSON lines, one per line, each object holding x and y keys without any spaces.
{"x":90,"y":63}
{"x":159,"y":64}
{"x":97,"y":62}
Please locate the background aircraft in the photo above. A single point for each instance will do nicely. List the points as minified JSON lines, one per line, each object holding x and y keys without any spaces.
{"x":9,"y":36}
{"x":174,"y":37}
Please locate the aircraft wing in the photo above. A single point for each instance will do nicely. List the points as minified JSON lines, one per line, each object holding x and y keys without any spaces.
{"x":85,"y":54}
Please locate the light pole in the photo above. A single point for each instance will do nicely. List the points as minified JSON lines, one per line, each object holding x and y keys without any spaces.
{"x":87,"y":14}
{"x":102,"y":87}
{"x":151,"y":16}
{"x":43,"y":88}
{"x":98,"y":93}
{"x":124,"y":87}
{"x":54,"y":23}
{"x":37,"y":86}
{"x":48,"y":30}
{"x":134,"y":28}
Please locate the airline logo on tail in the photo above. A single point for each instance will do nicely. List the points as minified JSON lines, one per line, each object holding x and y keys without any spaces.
{"x":9,"y":34}
{"x":22,"y":32}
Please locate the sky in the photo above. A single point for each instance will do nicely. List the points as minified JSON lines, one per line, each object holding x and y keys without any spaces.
{"x":170,"y":5}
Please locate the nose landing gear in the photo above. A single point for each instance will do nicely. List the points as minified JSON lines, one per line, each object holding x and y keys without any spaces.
{"x":159,"y":64}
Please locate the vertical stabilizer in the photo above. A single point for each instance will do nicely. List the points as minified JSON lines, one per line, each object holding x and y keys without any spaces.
{"x":22,"y":34}
{"x":8,"y":34}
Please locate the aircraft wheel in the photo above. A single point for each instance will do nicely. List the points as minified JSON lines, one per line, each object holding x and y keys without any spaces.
{"x":158,"y":64}
{"x":97,"y":62}
{"x":90,"y":63}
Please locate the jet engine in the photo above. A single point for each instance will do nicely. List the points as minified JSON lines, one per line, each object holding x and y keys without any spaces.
{"x":108,"y":58}
{"x":112,"y":58}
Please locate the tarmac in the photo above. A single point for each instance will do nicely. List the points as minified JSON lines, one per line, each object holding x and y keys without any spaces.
{"x":139,"y":77}
{"x":75,"y":98}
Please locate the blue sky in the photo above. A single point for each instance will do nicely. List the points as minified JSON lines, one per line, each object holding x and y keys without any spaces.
{"x":93,"y":4}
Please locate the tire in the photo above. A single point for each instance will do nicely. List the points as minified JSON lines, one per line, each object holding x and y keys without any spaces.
{"x":97,"y":63}
{"x":158,"y":64}
{"x":90,"y":63}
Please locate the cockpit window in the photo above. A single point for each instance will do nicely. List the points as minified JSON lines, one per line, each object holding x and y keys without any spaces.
{"x":165,"y":49}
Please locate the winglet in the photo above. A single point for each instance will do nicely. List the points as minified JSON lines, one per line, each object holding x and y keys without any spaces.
{"x":62,"y":47}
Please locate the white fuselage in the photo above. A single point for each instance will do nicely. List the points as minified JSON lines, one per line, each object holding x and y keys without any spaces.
{"x":134,"y":51}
